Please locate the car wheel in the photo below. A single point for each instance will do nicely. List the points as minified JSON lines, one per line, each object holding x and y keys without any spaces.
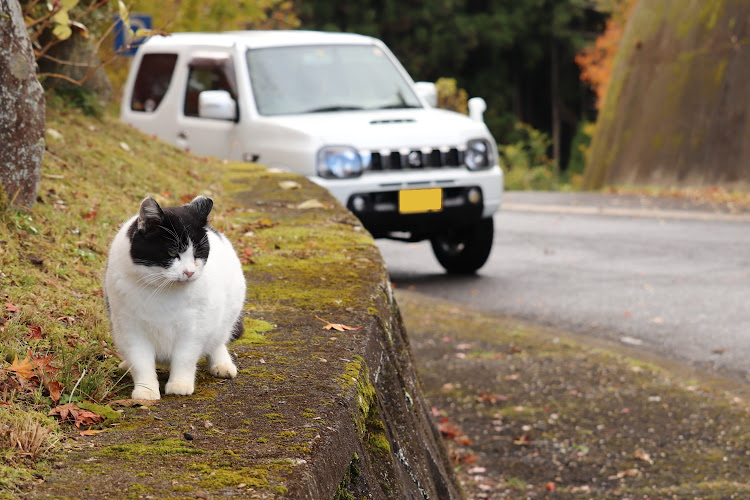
{"x":466,"y":249}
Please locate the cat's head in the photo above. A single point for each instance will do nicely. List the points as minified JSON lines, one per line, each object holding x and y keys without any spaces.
{"x":171,"y":242}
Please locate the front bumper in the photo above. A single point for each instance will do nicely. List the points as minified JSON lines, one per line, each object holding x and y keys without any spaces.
{"x":379,"y":213}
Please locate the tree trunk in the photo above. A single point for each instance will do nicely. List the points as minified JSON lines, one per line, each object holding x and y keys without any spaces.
{"x":555,"y":100}
{"x":22,"y":111}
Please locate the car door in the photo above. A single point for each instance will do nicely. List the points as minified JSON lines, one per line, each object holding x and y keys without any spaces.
{"x":208,"y":136}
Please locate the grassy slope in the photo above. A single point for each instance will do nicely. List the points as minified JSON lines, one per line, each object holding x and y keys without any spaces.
{"x":52,"y":259}
{"x":302,"y":265}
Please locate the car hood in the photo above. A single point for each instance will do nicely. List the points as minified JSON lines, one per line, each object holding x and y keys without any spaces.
{"x":385,"y":129}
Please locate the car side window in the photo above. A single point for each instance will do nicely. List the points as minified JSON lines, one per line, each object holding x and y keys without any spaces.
{"x":152,"y":81}
{"x":208,"y":74}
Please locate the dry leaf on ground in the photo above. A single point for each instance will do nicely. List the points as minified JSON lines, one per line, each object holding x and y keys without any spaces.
{"x":337,"y":326}
{"x":77,"y":416}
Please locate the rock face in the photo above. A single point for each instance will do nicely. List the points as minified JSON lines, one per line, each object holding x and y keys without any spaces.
{"x":82,"y":54}
{"x":677,"y":112}
{"x":21,"y":112}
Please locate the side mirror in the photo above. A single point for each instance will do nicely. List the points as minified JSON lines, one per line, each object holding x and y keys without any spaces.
{"x":428,"y":92}
{"x":477,"y":107}
{"x":217,"y":105}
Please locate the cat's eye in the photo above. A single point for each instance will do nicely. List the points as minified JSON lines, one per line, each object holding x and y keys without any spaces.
{"x":172,"y":253}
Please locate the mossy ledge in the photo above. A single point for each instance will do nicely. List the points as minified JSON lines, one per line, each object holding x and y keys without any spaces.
{"x":307,"y":398}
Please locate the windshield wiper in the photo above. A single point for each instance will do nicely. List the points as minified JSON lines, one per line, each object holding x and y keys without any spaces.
{"x":334,"y":108}
{"x":398,"y":106}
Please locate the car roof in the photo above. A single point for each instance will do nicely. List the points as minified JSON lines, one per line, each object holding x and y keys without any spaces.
{"x":259,"y":39}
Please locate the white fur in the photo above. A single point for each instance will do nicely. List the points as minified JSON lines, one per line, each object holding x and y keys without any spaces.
{"x":163,"y":316}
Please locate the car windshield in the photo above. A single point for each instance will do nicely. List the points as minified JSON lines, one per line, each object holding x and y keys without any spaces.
{"x":314,"y":79}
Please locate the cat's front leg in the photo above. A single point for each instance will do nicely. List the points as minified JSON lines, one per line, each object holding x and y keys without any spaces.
{"x":182,"y":369}
{"x":221,"y":364}
{"x":142,"y":366}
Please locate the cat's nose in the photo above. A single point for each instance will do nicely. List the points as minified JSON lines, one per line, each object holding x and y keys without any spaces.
{"x":188,"y":273}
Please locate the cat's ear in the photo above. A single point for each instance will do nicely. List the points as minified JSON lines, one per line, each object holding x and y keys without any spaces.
{"x":150,"y":214}
{"x":202,"y":206}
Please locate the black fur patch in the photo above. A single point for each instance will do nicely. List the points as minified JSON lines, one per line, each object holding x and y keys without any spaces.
{"x":238,"y":329}
{"x":158,"y":237}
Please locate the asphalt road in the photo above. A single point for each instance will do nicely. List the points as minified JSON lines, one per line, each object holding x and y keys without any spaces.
{"x":665,"y":276}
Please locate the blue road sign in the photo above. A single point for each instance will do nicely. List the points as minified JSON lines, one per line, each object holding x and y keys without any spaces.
{"x":137,"y":21}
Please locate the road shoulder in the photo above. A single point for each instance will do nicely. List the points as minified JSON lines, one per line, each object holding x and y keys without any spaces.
{"x":526,"y":411}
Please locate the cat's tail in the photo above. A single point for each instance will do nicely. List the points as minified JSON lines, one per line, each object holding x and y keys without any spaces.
{"x":238,"y":329}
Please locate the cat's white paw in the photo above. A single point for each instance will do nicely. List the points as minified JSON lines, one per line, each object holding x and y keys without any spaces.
{"x":145,"y":392}
{"x":224,"y":370}
{"x":181,"y":388}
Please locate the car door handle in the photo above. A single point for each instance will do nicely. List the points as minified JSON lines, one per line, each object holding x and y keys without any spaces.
{"x":182,"y":135}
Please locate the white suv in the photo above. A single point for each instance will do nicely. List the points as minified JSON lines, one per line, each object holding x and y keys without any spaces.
{"x":338,"y":108}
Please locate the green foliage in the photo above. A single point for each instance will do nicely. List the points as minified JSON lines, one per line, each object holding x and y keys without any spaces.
{"x":79,"y":97}
{"x":218,"y":15}
{"x":451,"y":97}
{"x":580,"y":148}
{"x":497,"y":50}
{"x":527,"y":166}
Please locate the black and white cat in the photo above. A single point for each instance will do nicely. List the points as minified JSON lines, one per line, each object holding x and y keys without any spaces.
{"x":174,"y":289}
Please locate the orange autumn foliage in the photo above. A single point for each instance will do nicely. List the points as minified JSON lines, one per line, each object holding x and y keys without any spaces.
{"x":597,"y":61}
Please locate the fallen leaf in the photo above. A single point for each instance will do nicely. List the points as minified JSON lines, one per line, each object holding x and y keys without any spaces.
{"x":35,"y":332}
{"x":287,"y":185}
{"x":337,"y":326}
{"x":631,"y":341}
{"x":187,"y":198}
{"x":491,"y":398}
{"x":77,"y":416}
{"x":463,"y":458}
{"x":25,"y":368}
{"x":262,"y":223}
{"x":92,"y":432}
{"x":449,"y":430}
{"x":642,"y":455}
{"x":310,"y":204}
{"x":10,"y":308}
{"x":625,"y":473}
{"x":524,"y":440}
{"x":55,"y":390}
{"x":54,"y":134}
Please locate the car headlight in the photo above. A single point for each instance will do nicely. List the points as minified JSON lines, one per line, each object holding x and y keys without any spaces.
{"x":339,"y":162}
{"x":478,"y":154}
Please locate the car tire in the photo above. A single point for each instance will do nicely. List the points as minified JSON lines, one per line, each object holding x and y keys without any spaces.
{"x":466,"y":249}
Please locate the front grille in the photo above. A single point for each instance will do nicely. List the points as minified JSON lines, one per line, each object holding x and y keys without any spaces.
{"x":413,"y":159}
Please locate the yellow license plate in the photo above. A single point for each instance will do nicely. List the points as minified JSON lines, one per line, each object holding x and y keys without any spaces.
{"x":415,"y":201}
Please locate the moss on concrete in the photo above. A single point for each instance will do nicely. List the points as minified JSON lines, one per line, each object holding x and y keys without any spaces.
{"x":677,"y":75}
